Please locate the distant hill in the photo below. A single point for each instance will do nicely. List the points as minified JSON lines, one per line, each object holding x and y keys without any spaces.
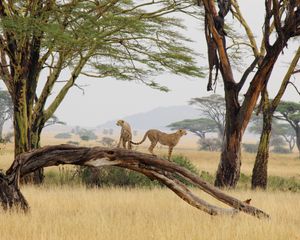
{"x":157,"y":118}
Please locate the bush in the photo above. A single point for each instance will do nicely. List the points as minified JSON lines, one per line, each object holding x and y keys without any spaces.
{"x":110,"y":176}
{"x":279,"y":149}
{"x":277,"y":141}
{"x":107,"y":142}
{"x":73,"y":143}
{"x":87,"y":135}
{"x":115,"y":176}
{"x":250,"y":147}
{"x":210,"y":144}
{"x":284,"y":184}
{"x":63,"y":135}
{"x":64,"y":176}
{"x":8,"y":137}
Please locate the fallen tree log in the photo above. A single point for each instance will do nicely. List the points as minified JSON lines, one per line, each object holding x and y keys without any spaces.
{"x":149,"y":165}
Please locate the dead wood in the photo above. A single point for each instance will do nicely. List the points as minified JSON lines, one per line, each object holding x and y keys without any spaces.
{"x":149,"y":165}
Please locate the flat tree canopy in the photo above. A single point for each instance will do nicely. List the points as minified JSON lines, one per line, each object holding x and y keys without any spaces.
{"x":125,"y":40}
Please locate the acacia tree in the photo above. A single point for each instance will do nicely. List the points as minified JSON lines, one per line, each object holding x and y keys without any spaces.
{"x":279,"y":131}
{"x":287,"y":133}
{"x":126,"y":40}
{"x":213,"y":108}
{"x":290,"y":112}
{"x":268,"y":107}
{"x":199,"y":126}
{"x":238,"y":114}
{"x":6,"y":109}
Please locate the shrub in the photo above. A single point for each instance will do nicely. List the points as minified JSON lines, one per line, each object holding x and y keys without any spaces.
{"x":277,"y":141}
{"x":115,"y":176}
{"x":63,"y":135}
{"x":73,"y":143}
{"x":210,"y":144}
{"x":279,"y":149}
{"x":87,"y":135}
{"x":107,"y":142}
{"x":64,"y":176}
{"x":250,"y":147}
{"x":8,"y":137}
{"x":284,"y":184}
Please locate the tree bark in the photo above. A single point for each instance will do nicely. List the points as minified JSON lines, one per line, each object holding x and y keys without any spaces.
{"x":298,"y":139}
{"x":1,"y":130}
{"x":36,"y":130}
{"x":260,"y":169}
{"x":228,"y":172}
{"x":27,"y":133}
{"x":239,"y":114}
{"x":149,"y":165}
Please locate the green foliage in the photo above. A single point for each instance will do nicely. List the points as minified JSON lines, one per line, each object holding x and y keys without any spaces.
{"x":290,"y":112}
{"x":64,"y":176}
{"x":119,"y":33}
{"x":88,"y":135}
{"x":199,"y":126}
{"x":212,"y":108}
{"x":281,"y":132}
{"x":250,"y":147}
{"x":206,"y":176}
{"x":65,"y":135}
{"x":114,"y":176}
{"x":184,"y":162}
{"x":244,"y":182}
{"x":54,"y":120}
{"x":284,"y":184}
{"x":126,"y":40}
{"x":84,"y":134}
{"x":275,"y":183}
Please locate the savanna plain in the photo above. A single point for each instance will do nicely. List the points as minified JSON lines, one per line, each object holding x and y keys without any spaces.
{"x":73,"y":211}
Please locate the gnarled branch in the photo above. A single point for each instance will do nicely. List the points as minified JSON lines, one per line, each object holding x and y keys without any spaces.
{"x":149,"y":165}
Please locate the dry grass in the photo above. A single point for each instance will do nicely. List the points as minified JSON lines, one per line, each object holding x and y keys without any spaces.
{"x":78,"y":213}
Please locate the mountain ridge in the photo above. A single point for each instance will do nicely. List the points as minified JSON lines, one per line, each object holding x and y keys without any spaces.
{"x":157,"y":118}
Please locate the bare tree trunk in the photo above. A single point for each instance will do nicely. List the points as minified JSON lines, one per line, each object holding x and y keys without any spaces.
{"x":27,"y":136}
{"x":298,"y":139}
{"x":1,"y":130}
{"x":38,"y":174}
{"x":260,"y":169}
{"x":228,"y":172}
{"x":20,"y":127}
{"x":10,"y":194}
{"x":149,"y":165}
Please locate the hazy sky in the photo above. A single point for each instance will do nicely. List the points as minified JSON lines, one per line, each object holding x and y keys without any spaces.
{"x":106,"y":99}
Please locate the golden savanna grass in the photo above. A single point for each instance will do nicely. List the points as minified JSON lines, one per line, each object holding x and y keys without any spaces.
{"x":114,"y":213}
{"x":79,"y":213}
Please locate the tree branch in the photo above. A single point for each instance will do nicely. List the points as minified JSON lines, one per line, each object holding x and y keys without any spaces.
{"x":295,"y":87}
{"x":247,"y":72}
{"x":237,"y":13}
{"x":147,"y":164}
{"x":286,"y":80}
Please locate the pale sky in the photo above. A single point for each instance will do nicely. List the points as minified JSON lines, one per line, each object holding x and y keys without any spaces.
{"x":107,"y":99}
